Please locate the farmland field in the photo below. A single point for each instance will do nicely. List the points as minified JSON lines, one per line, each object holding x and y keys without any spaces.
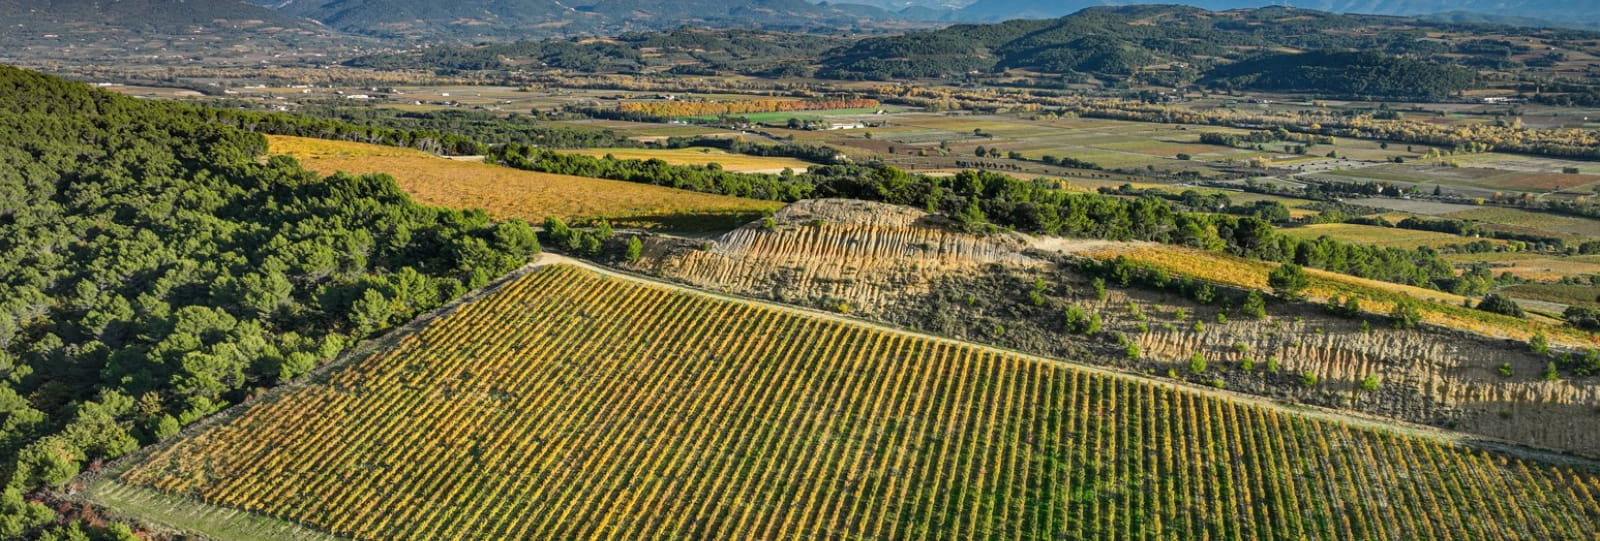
{"x":575,"y":405}
{"x":1526,"y":220}
{"x":1533,"y":265}
{"x":702,"y":156}
{"x":1486,"y":178}
{"x":1377,"y":236}
{"x":1570,"y":294}
{"x":510,"y":193}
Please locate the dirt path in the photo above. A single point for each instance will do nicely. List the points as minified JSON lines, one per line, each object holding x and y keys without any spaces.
{"x":1337,"y":416}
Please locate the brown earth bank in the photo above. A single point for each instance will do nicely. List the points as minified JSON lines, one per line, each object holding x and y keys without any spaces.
{"x":905,"y":267}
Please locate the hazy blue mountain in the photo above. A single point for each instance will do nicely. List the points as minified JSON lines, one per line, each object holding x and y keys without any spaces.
{"x":499,"y":19}
{"x":162,"y":16}
{"x":1548,"y":11}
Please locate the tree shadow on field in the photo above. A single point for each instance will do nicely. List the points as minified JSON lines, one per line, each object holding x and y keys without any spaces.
{"x":713,"y":221}
{"x":1555,"y":433}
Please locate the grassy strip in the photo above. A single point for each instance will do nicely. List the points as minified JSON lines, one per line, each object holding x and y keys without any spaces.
{"x":188,"y":515}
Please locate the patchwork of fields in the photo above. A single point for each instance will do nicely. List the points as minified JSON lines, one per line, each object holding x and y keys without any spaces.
{"x":574,"y":405}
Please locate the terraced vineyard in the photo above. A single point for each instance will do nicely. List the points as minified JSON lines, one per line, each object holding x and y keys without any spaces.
{"x":575,"y":405}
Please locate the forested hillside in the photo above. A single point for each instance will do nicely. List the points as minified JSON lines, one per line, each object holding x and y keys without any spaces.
{"x":1271,"y":49}
{"x":155,"y":270}
{"x":1185,"y":42}
{"x":1348,"y":73}
{"x":749,"y":51}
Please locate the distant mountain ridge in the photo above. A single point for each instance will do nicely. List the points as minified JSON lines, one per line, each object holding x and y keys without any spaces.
{"x":501,"y":19}
{"x":78,"y":30}
{"x":1548,"y":11}
{"x":165,"y":16}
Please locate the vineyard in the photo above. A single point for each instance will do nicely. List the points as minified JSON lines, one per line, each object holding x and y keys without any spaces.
{"x":510,"y":193}
{"x":701,"y":108}
{"x":571,"y":404}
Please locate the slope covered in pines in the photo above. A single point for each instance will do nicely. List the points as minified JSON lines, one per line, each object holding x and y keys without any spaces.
{"x":155,"y":269}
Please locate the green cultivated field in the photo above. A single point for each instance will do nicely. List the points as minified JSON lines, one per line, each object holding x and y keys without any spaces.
{"x":1375,"y":235}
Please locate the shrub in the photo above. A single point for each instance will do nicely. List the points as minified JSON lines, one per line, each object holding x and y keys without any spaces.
{"x":1500,"y":304}
{"x":1344,"y":306}
{"x":1308,"y":379}
{"x":1076,"y":320}
{"x":1405,"y":316}
{"x":1539,"y":343}
{"x":1289,"y":281}
{"x":1100,"y":288}
{"x":1248,"y":364}
{"x":1370,"y":383}
{"x":1582,"y":317}
{"x":633,"y":250}
{"x":1197,"y":364}
{"x":1254,"y":305}
{"x":1504,"y":369}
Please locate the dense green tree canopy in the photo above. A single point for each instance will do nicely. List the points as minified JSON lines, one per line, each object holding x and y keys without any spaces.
{"x":155,"y":269}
